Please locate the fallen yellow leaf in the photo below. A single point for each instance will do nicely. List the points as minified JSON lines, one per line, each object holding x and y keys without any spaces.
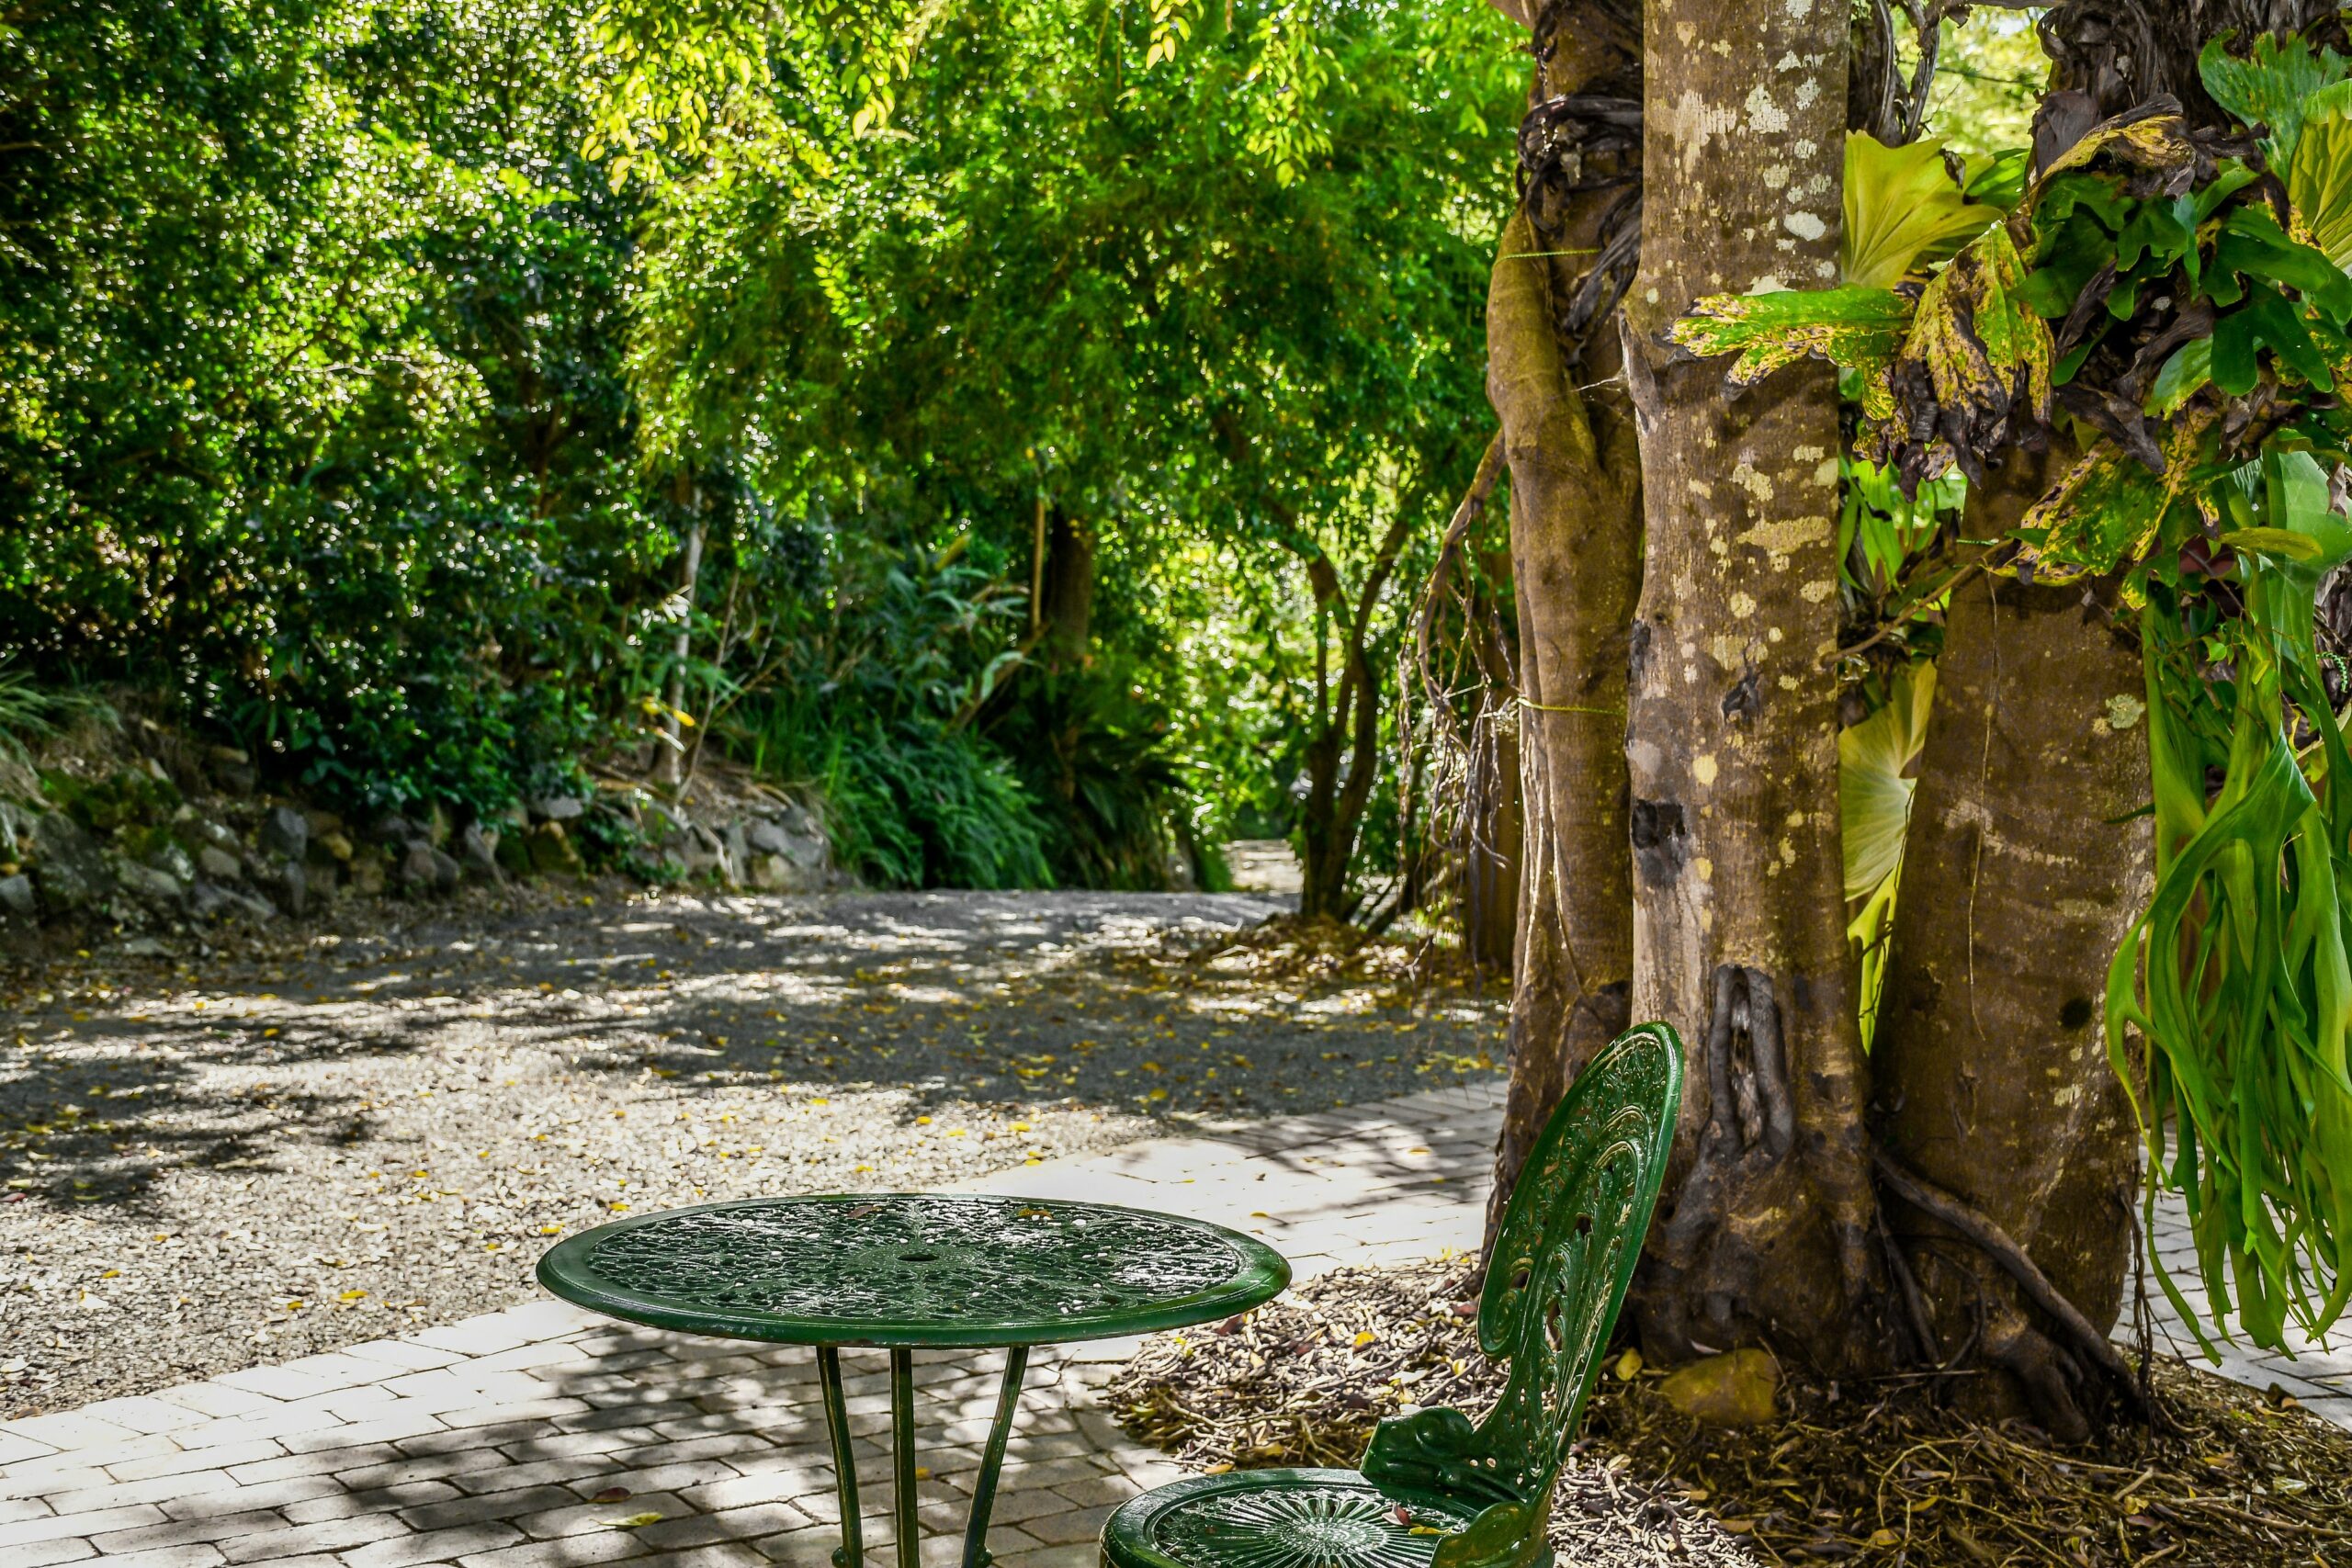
{"x":637,"y":1521}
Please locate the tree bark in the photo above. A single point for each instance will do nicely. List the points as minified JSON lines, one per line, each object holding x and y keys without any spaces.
{"x":1066,"y":607}
{"x":1342,"y":756}
{"x":2021,"y":874}
{"x":1569,"y":443}
{"x":670,"y":751}
{"x":1766,"y":1235}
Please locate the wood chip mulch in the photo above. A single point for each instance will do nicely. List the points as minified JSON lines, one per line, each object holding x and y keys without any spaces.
{"x":1886,"y":1473}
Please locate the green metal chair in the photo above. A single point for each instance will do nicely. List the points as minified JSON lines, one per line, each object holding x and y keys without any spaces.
{"x":1436,"y":1491}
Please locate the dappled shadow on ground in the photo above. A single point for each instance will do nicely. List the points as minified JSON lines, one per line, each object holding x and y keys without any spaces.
{"x":337,"y":1134}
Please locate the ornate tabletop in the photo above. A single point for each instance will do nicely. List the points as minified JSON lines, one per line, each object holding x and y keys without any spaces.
{"x":914,"y":1270}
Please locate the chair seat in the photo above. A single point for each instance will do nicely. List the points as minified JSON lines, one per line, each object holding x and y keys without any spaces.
{"x":1280,"y":1518}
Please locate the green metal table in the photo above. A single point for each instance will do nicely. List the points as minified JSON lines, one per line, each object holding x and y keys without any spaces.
{"x":905,"y":1272}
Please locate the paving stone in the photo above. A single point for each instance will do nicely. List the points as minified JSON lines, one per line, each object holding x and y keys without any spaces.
{"x":15,"y":1448}
{"x":405,"y":1354}
{"x":314,"y":1461}
{"x":812,"y":1548}
{"x":1084,"y":1554}
{"x":383,"y":1500}
{"x":1097,"y":1490}
{"x":143,"y":1413}
{"x":433,"y":1546}
{"x":59,"y":1527}
{"x":69,"y":1430}
{"x":123,"y":1493}
{"x":743,"y":1525}
{"x":510,"y":1506}
{"x":719,"y":1554}
{"x":186,"y":1462}
{"x":171,"y":1532}
{"x":1069,"y":1528}
{"x":612,"y":1546}
{"x":189,"y":1555}
{"x":297,"y":1541}
{"x":576,"y":1518}
{"x":223,"y":1500}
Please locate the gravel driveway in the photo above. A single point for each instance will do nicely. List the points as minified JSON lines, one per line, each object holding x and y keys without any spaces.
{"x":219,"y":1160}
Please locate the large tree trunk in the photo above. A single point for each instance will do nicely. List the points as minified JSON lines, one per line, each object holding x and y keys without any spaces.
{"x":1766,"y":1233}
{"x":2025,"y":864}
{"x":1569,"y":442}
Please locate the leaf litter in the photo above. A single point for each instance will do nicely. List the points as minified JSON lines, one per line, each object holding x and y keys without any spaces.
{"x":1881,"y":1474}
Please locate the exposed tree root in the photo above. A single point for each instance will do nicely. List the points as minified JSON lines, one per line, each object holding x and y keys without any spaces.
{"x":1995,"y":1242}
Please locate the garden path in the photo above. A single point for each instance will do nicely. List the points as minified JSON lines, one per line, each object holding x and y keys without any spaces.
{"x":487,"y":1443}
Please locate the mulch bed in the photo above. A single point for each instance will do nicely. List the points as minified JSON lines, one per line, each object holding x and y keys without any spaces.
{"x":1883,"y":1473}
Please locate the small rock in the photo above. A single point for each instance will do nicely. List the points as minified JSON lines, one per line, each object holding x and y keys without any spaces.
{"x":285,"y":833}
{"x":66,"y":863}
{"x":332,"y":848}
{"x":213,"y":902}
{"x":1735,"y":1388}
{"x":144,"y":882}
{"x":414,"y":868}
{"x":144,"y":947}
{"x":512,"y":849}
{"x":217,"y":863}
{"x":768,"y":837}
{"x":236,"y":778}
{"x":393,"y":829}
{"x":551,"y":851}
{"x":324,"y":879}
{"x":478,"y":852}
{"x":559,"y":808}
{"x":219,"y":835}
{"x":322,"y":823}
{"x":781,"y":873}
{"x":173,"y":860}
{"x":426,"y":869}
{"x":367,"y":871}
{"x":288,"y":885}
{"x":16,"y":896}
{"x":436,"y":826}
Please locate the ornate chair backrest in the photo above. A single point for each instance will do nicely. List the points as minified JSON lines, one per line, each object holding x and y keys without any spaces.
{"x":1570,"y":1236}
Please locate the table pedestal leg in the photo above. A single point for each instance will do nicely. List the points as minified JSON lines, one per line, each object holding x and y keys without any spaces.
{"x":852,"y":1551}
{"x":902,"y":1441}
{"x":1008,"y":1399}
